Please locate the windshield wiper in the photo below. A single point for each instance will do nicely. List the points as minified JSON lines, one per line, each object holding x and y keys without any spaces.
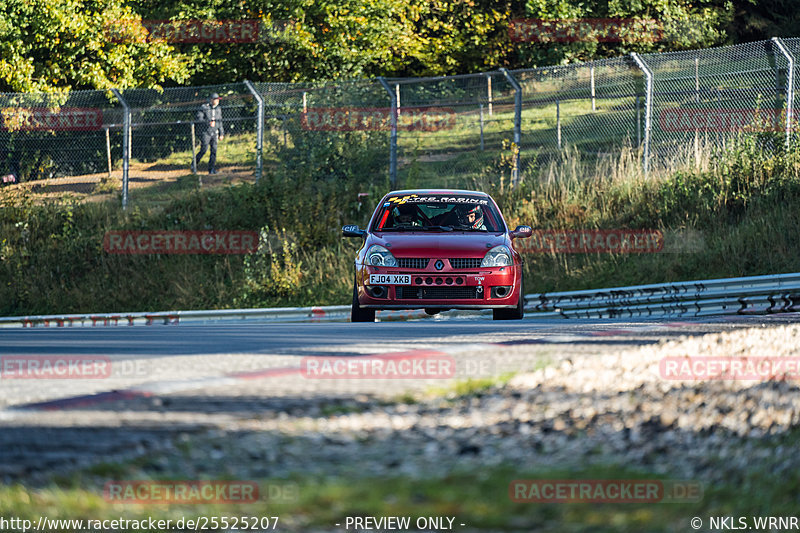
{"x":440,"y":228}
{"x":462,"y":227}
{"x":418,"y":228}
{"x":403,"y":228}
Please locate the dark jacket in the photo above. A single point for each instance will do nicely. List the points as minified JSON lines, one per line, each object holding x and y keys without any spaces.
{"x":206,"y":114}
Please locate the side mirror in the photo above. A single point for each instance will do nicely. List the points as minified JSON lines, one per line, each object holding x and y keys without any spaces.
{"x":522,"y":232}
{"x":351,"y":230}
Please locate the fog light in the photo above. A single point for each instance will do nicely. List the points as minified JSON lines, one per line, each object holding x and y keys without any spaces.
{"x":501,"y":292}
{"x":377,"y":291}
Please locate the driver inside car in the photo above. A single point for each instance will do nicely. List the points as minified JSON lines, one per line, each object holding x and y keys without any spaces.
{"x":473,"y":217}
{"x":406,"y":215}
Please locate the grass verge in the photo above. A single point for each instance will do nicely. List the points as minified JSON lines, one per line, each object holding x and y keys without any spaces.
{"x":479,"y":499}
{"x":740,"y":205}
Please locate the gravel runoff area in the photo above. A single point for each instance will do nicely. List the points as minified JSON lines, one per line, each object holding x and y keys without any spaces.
{"x":583,"y":410}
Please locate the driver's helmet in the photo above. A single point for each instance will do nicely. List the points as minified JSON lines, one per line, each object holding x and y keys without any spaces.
{"x":405,"y":214}
{"x":477,"y":223}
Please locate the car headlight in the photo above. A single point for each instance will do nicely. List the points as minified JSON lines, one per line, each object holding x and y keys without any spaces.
{"x":377,"y":255}
{"x":499,"y":256}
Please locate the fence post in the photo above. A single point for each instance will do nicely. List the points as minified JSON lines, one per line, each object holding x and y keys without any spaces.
{"x":517,"y":123}
{"x":126,"y":140}
{"x":489,"y":91}
{"x":648,"y":110}
{"x":393,"y":139}
{"x":558,"y":123}
{"x":481,"y":107}
{"x":108,"y":151}
{"x":397,"y":97}
{"x":697,"y":100}
{"x":194,"y":148}
{"x":638,"y":122}
{"x":591,"y":72}
{"x":789,"y":88}
{"x":259,"y":129}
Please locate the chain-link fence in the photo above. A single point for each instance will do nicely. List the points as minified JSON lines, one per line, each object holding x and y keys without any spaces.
{"x":44,"y":137}
{"x":325,"y":131}
{"x":450,"y":128}
{"x":399,"y":132}
{"x":594,"y":107}
{"x":175,"y":143}
{"x":706,"y":97}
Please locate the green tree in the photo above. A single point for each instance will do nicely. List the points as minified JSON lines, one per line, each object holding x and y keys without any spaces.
{"x":59,"y":44}
{"x":299,"y":39}
{"x":644,"y":26}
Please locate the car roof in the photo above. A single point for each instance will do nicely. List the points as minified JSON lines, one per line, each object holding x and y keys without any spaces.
{"x":437,"y":191}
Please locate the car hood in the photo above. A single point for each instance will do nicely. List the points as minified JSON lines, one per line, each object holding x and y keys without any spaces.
{"x":436,"y":244}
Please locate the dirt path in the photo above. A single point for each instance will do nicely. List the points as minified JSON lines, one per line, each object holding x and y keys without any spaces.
{"x":152,"y":177}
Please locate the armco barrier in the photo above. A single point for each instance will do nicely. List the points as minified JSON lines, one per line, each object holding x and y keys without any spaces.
{"x":331,"y":313}
{"x":779,"y":293}
{"x":283,"y":314}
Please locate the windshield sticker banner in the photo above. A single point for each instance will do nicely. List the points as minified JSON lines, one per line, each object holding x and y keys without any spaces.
{"x":416,"y":199}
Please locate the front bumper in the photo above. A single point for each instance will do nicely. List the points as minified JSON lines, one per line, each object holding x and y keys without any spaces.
{"x":485,"y":288}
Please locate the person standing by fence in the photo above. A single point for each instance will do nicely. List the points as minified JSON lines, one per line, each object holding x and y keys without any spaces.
{"x":209,"y":118}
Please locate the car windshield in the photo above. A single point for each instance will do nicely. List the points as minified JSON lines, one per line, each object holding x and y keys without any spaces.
{"x":438,"y":213}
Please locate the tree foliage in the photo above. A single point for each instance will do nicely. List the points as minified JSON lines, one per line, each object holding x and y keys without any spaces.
{"x":49,"y":44}
{"x":59,"y":44}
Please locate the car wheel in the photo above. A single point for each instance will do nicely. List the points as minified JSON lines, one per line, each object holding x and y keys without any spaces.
{"x":512,"y":314}
{"x":358,"y":313}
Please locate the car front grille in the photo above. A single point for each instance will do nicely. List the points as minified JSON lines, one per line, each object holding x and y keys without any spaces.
{"x":437,"y":293}
{"x":465,"y":263}
{"x":412,"y":262}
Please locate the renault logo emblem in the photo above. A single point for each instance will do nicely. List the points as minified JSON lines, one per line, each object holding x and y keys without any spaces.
{"x":439,"y":264}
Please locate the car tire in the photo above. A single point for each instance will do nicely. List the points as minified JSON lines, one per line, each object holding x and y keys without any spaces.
{"x":517,"y":312}
{"x":358,"y":313}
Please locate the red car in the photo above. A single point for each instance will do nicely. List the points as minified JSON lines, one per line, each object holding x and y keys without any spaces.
{"x":437,"y":250}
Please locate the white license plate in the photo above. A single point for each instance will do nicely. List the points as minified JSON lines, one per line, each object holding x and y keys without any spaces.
{"x":389,"y":279}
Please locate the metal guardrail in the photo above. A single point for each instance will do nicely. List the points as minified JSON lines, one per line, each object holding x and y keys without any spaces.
{"x":176,"y":317}
{"x":779,"y":293}
{"x":330,"y":313}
